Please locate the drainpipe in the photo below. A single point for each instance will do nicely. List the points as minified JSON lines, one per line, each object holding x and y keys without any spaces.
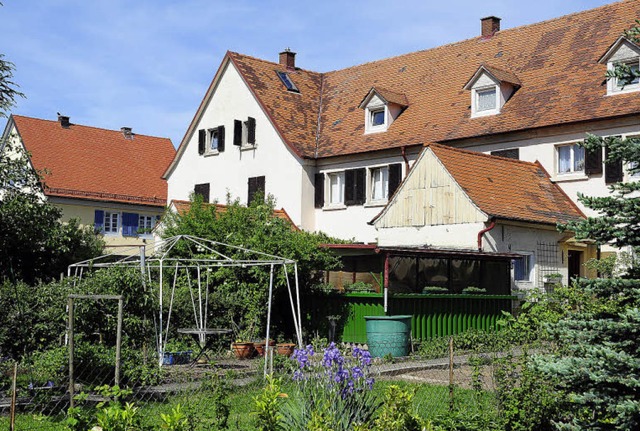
{"x":483,"y":231}
{"x":406,"y":161}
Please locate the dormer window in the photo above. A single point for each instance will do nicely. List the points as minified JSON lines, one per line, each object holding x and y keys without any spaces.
{"x":622,"y":53}
{"x":381,"y":108}
{"x":490,"y":89}
{"x":486,"y":99}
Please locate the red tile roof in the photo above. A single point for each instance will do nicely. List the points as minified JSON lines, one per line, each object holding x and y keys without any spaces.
{"x":182,"y":207}
{"x":555,"y":62}
{"x":90,"y":163}
{"x":507,"y":188}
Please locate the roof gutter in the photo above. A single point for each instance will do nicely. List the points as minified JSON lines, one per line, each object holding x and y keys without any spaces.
{"x":485,"y":230}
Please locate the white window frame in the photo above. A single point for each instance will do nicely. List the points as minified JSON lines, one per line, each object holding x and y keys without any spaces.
{"x":210,"y":135}
{"x":572,"y":161}
{"x":148,"y":223}
{"x":613,"y":86}
{"x":530,"y":259}
{"x":475,"y":96}
{"x":108,"y":222}
{"x":339,"y":203}
{"x":371,"y":173}
{"x":370,"y":112}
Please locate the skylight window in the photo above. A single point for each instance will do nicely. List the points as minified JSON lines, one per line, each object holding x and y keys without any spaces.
{"x":286,"y":80}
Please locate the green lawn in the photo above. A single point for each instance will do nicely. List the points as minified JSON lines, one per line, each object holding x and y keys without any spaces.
{"x":430,"y":401}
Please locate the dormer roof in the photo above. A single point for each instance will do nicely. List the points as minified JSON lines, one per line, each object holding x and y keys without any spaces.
{"x":387,"y":96}
{"x":615,"y":47}
{"x":497,"y":75}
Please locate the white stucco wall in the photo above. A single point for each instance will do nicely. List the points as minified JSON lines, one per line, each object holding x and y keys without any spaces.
{"x":351,"y":222}
{"x":458,"y":236}
{"x":230,"y":170}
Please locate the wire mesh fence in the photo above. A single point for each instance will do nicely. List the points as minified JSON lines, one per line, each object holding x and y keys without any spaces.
{"x":215,"y":389}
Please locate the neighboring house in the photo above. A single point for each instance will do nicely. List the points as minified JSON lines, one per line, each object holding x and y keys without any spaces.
{"x":109,"y":179}
{"x":333,"y":147}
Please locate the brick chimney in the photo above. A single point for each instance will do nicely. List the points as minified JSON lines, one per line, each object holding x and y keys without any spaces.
{"x":64,"y":121}
{"x":490,"y":25}
{"x":126,"y":131}
{"x":288,"y":59}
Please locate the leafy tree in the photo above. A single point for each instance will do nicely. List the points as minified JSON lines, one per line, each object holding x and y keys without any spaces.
{"x":242,"y":293}
{"x":8,"y":88}
{"x":34,"y":243}
{"x":598,"y":362}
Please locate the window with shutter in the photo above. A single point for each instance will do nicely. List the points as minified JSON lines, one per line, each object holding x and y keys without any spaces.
{"x":612,"y":169}
{"x":202,"y":141}
{"x":129,"y":224}
{"x":202,"y":190}
{"x":354,"y":186}
{"x":319,"y":190}
{"x":111,"y":222}
{"x":256,"y":186}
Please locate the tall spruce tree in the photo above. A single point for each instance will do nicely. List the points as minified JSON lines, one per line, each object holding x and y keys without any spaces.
{"x":598,"y":361}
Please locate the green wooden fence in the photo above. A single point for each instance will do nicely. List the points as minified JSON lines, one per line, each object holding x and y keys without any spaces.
{"x":434,"y":315}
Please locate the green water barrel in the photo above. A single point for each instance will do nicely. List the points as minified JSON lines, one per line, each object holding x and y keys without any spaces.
{"x":388,"y":335}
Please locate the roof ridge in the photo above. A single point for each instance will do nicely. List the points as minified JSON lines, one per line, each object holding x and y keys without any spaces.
{"x":477,"y":153}
{"x":459,"y":42}
{"x":88,"y":127}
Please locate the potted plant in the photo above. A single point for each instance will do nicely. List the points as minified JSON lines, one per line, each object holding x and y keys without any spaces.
{"x":243,"y":346}
{"x":285,"y":349}
{"x":260,"y":346}
{"x":555,"y":278}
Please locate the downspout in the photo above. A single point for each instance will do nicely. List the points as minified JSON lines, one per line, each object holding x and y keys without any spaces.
{"x":406,"y":161}
{"x":485,"y":230}
{"x":386,"y":283}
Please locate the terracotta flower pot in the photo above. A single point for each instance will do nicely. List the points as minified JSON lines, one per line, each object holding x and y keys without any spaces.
{"x":242,"y":350}
{"x":260,"y":347}
{"x":285,"y":349}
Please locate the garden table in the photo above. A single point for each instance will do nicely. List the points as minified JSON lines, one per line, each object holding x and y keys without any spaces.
{"x":201,"y":334}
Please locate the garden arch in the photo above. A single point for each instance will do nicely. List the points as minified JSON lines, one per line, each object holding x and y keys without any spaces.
{"x":184,"y":253}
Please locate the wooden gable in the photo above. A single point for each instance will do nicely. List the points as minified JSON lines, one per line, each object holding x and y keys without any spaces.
{"x":429,"y":196}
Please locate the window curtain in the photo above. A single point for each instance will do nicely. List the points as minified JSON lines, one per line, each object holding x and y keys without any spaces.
{"x":564,"y":159}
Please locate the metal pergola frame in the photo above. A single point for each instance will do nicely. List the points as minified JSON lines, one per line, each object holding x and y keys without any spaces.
{"x":158,"y":258}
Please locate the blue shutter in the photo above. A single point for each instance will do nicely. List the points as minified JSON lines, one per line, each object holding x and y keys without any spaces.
{"x":129,"y":224}
{"x":98,"y":221}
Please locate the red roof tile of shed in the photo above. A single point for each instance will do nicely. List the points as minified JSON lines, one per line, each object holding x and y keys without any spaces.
{"x":90,"y":163}
{"x":507,"y":188}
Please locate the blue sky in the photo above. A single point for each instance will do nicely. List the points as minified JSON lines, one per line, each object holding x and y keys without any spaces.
{"x":146,"y":64}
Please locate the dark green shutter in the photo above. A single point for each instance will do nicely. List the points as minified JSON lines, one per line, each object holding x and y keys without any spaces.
{"x":612,"y":169}
{"x":237,"y":132}
{"x":251,"y":130}
{"x":354,"y":186}
{"x":220,"y":139}
{"x":593,"y":161}
{"x":395,"y":178}
{"x":202,"y":141}
{"x":202,"y":190}
{"x":319,"y":190}
{"x":256,"y":185}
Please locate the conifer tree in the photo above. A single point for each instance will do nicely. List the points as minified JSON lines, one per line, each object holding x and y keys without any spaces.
{"x":598,"y":361}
